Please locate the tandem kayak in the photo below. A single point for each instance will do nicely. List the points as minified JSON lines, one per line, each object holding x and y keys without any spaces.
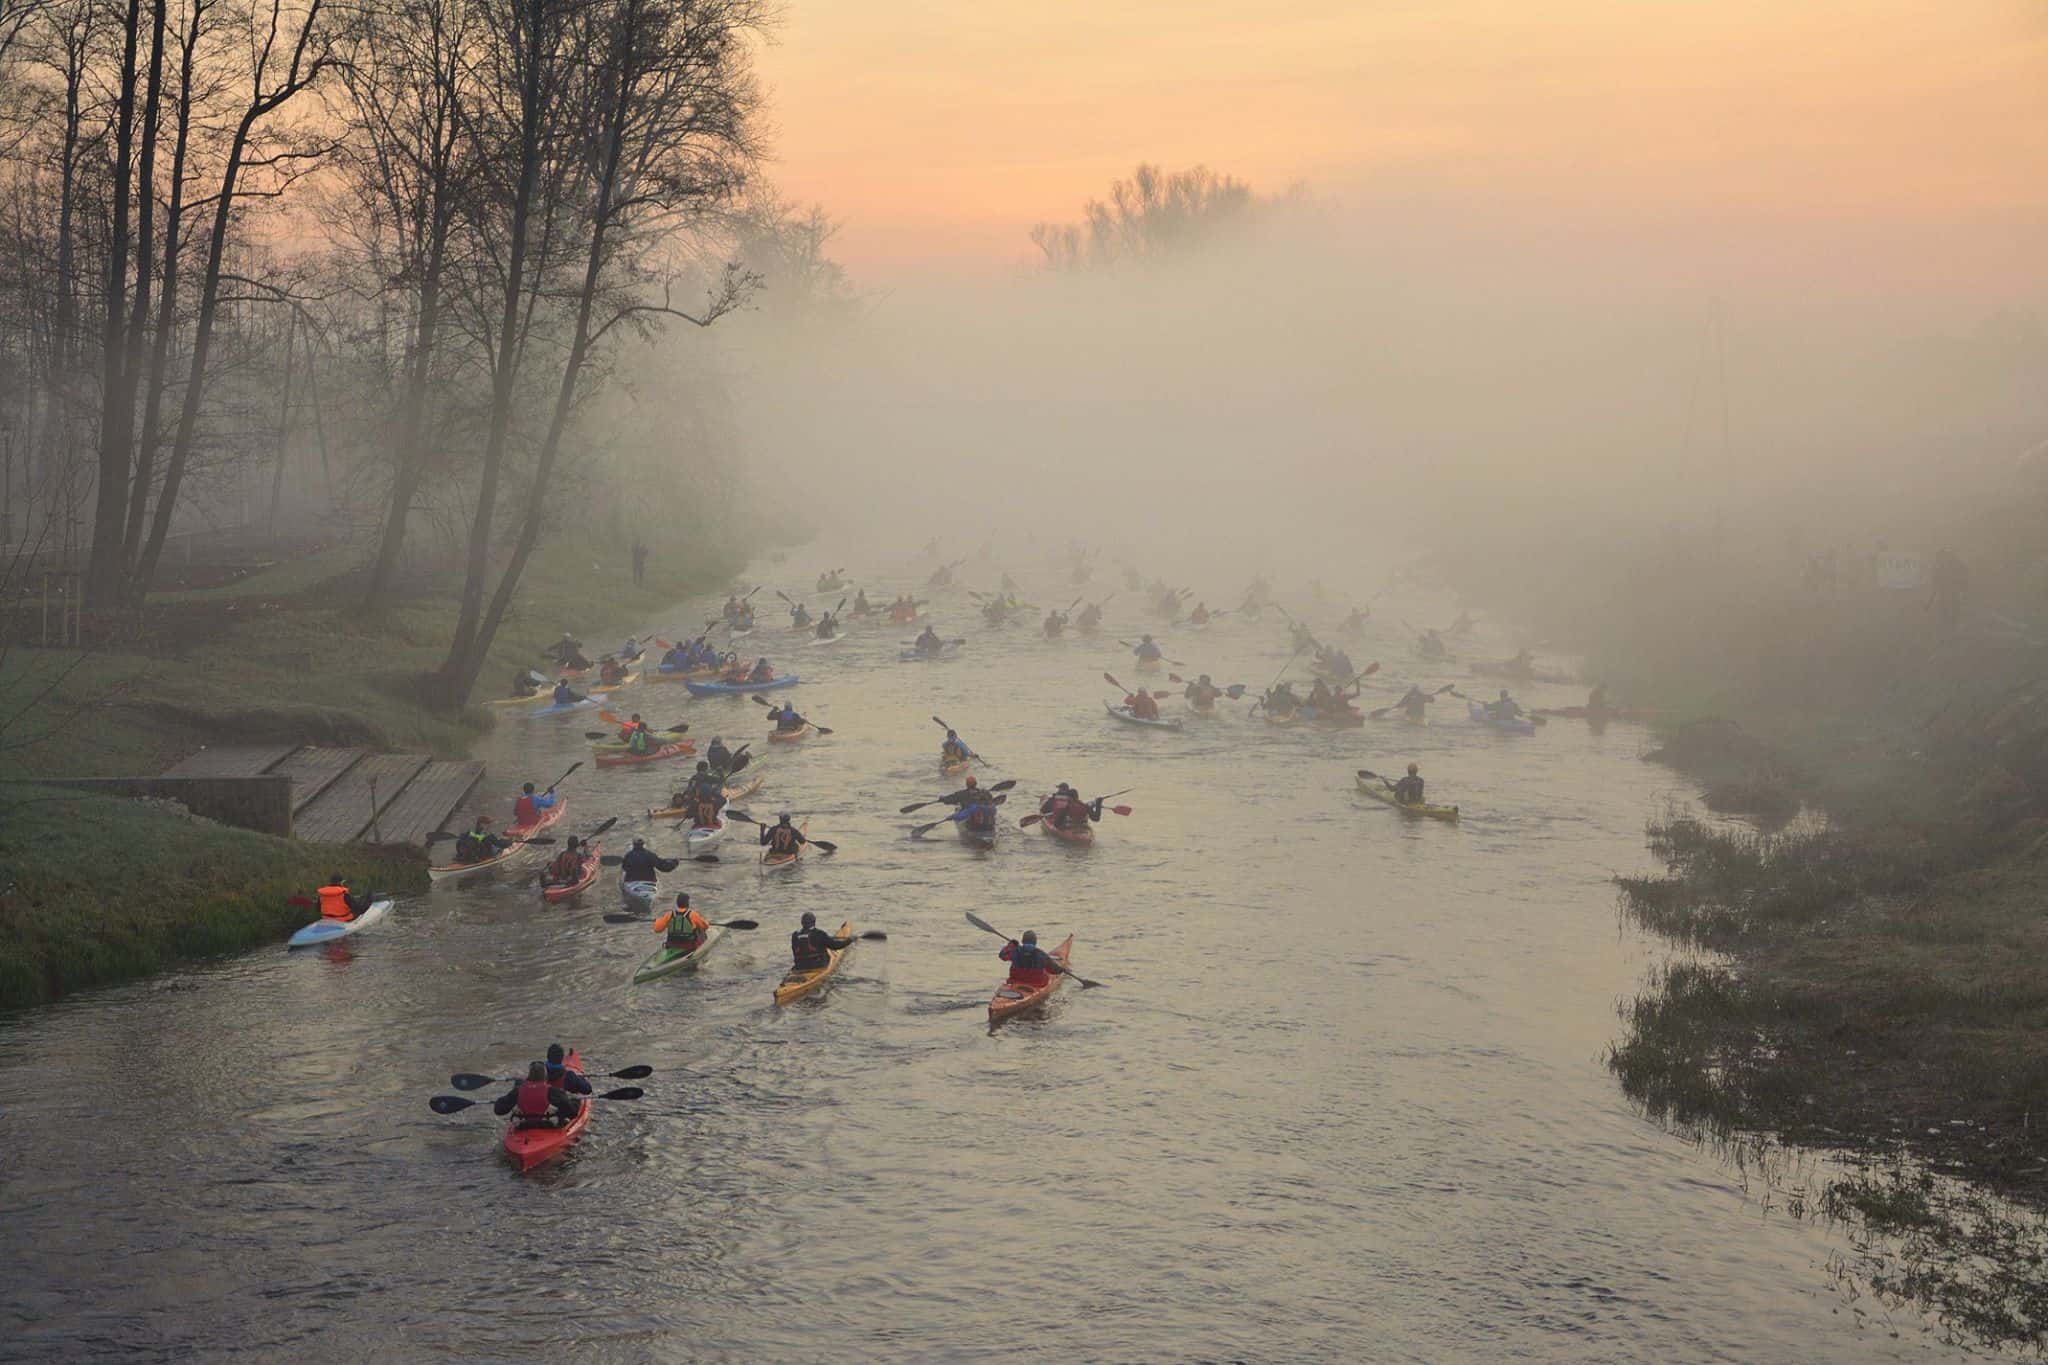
{"x":665,"y":960}
{"x":976,"y":838}
{"x":529,"y":1147}
{"x":1514,"y":725}
{"x":771,"y":859}
{"x":1380,"y":791}
{"x":1011,"y":998}
{"x":676,"y":675}
{"x":325,"y":930}
{"x":914,"y":656}
{"x":791,"y":736}
{"x":547,"y":819}
{"x":1081,"y":836}
{"x":551,"y":892}
{"x":1123,"y":713}
{"x":739,"y":689}
{"x":803,"y":981}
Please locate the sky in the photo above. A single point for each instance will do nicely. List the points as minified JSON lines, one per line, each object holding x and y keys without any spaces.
{"x":1876,"y":146}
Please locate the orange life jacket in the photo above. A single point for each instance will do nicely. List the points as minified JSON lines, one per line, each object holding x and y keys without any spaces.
{"x":334,"y":903}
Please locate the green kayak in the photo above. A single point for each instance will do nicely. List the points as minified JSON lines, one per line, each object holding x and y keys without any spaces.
{"x":666,"y":960}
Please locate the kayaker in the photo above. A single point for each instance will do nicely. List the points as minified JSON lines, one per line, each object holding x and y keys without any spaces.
{"x":567,"y":652}
{"x":1202,"y":694}
{"x":1201,"y":615}
{"x":1030,"y":965}
{"x":782,"y":836}
{"x":1414,"y":700}
{"x":953,"y":749}
{"x":610,"y":672}
{"x":799,"y":616}
{"x":630,"y":652}
{"x":977,"y":808}
{"x":1142,"y":705}
{"x":1521,"y":665}
{"x":1055,"y":624}
{"x":632,"y":728}
{"x":929,"y":642}
{"x":1147,"y":652}
{"x":527,"y":684}
{"x":536,"y":1103}
{"x":679,"y":659}
{"x":338,"y":902}
{"x":477,"y":843}
{"x":1355,"y":622}
{"x":941,"y":576}
{"x":1431,"y":646}
{"x":1340,"y":665}
{"x":1321,"y":700}
{"x":1596,"y":700}
{"x":1408,"y":791}
{"x":828,"y":626}
{"x":686,"y":928}
{"x":559,"y":1073}
{"x":762,"y":671}
{"x":567,"y":867}
{"x":731,"y":610}
{"x":1507,"y":708}
{"x":720,"y":757}
{"x":565,"y":695}
{"x":703,"y":782}
{"x":1281,"y":701}
{"x":860,"y":603}
{"x":1090,"y":617}
{"x":787,"y":721}
{"x":643,"y":864}
{"x":811,"y":947}
{"x":530,"y":806}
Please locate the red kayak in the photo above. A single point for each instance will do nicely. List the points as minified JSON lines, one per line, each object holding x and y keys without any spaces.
{"x":561,"y":891}
{"x":673,"y":749}
{"x":1080,"y":835}
{"x":529,"y":1147}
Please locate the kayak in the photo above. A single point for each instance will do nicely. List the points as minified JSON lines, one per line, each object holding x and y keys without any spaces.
{"x":746,"y":788}
{"x":828,"y":640}
{"x":1281,"y":718}
{"x":739,"y":689}
{"x":553,"y":892}
{"x":770,"y":858}
{"x":547,"y":819}
{"x":1150,"y":665}
{"x":529,"y":1147}
{"x":791,"y":736}
{"x":1329,"y":720}
{"x":519,"y":701}
{"x":554,"y":708}
{"x":675,"y":675}
{"x":627,"y":681}
{"x":325,"y":930}
{"x":1081,"y":836}
{"x":638,"y":897}
{"x":702,"y":839}
{"x":1380,"y":791}
{"x":802,"y":981}
{"x":953,"y":766}
{"x":678,"y":748}
{"x":1123,"y":713}
{"x":1514,"y":725}
{"x":833,"y":585}
{"x":912,"y":656}
{"x":976,"y":838}
{"x":665,"y":960}
{"x":1011,"y":999}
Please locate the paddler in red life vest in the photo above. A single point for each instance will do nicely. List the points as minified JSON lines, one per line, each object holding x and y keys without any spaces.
{"x":762,"y":671}
{"x":1142,"y":705}
{"x":338,"y":902}
{"x":529,"y":808}
{"x":567,"y":867}
{"x":811,"y":947}
{"x":536,"y":1103}
{"x":1030,"y":965}
{"x":1200,"y":615}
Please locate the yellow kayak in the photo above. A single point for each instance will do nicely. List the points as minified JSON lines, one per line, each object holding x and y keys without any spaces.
{"x":804,"y":981}
{"x":1380,"y":791}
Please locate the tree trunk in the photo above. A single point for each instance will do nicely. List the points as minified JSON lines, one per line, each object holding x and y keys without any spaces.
{"x":103,"y":579}
{"x":284,"y":421}
{"x":410,"y":458}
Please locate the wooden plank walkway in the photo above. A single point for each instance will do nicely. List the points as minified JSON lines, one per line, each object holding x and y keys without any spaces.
{"x":429,"y":802}
{"x":313,"y":771}
{"x":341,"y":813}
{"x":232,"y":760}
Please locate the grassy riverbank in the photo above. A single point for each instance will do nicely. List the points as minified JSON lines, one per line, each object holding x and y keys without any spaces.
{"x":95,"y":889}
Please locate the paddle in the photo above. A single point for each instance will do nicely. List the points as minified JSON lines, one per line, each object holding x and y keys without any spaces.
{"x":469,"y":1080}
{"x":1177,"y":663}
{"x":824,"y":844}
{"x":1447,"y":687}
{"x":622,"y":917}
{"x":970,"y":753}
{"x":981,"y":923}
{"x":1367,"y":772}
{"x":455,"y":1104}
{"x":760,"y":700}
{"x":1002,"y":786}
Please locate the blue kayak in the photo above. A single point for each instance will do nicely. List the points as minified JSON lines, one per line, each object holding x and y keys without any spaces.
{"x":1512,"y":724}
{"x":723,"y":689}
{"x":327,"y":930}
{"x":563,"y":708}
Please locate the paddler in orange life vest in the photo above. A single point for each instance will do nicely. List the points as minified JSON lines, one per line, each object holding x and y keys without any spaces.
{"x":529,"y":808}
{"x":1202,"y":693}
{"x":1030,"y":965}
{"x":811,"y":947}
{"x":686,"y":928}
{"x":1142,"y":705}
{"x":338,"y":902}
{"x":762,"y":672}
{"x":567,"y":867}
{"x":635,"y":735}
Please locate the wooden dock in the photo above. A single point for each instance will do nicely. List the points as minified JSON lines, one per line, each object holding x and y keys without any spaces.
{"x":344,"y":795}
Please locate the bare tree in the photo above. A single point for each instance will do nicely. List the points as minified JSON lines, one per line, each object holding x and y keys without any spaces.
{"x":1153,"y":214}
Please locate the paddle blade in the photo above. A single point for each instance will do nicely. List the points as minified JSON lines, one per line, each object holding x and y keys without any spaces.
{"x":626,"y":1092}
{"x":876,"y":935}
{"x":621,"y":917}
{"x":1028,"y":821}
{"x":633,"y":1073}
{"x":826,"y":845}
{"x":983,"y":925}
{"x":1121,"y":810}
{"x":610,"y":860}
{"x":913,"y":807}
{"x":742,"y":924}
{"x":469,"y":1080}
{"x":449,"y":1104}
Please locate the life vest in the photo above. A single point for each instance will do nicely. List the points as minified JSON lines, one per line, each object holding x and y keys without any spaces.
{"x":804,"y":953}
{"x":525,"y":811}
{"x":473,"y":847}
{"x":687,"y":927}
{"x":1036,"y":974}
{"x":531,"y":1101}
{"x":981,"y":816}
{"x":334,"y":903}
{"x":707,"y":813}
{"x":782,"y":838}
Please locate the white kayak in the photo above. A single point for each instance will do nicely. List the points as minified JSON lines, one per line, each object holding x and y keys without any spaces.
{"x":637,"y":897}
{"x":820,"y":644}
{"x":325,"y":930}
{"x":703,"y":838}
{"x":1123,"y":713}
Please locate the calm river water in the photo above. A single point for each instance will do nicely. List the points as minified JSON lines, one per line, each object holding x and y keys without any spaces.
{"x":1341,"y":1098}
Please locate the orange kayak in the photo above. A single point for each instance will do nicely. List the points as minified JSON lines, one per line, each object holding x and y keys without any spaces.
{"x":1081,"y":836}
{"x":790,"y":736}
{"x":1011,"y":998}
{"x":529,"y":1147}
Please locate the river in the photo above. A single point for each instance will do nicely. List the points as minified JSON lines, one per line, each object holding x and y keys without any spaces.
{"x":1341,"y":1095}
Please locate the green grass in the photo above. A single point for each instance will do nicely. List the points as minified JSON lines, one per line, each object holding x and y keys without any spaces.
{"x":95,"y":890}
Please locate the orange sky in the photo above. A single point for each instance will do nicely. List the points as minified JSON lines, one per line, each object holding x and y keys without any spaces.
{"x":1900,"y":130}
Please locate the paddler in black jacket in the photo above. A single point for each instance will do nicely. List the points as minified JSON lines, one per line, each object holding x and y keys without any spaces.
{"x":811,"y":947}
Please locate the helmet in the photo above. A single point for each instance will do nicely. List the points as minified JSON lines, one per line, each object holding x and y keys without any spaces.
{"x":1031,"y":936}
{"x":951,"y":735}
{"x":809,"y":919}
{"x":482,"y":820}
